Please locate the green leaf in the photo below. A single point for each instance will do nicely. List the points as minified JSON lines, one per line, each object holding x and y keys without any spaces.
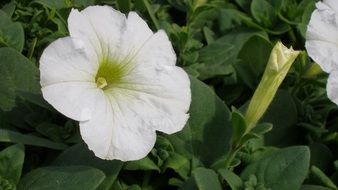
{"x":239,"y":126}
{"x":262,"y":128}
{"x":189,"y":185}
{"x":219,"y":57}
{"x":313,"y":187}
{"x":124,"y":5}
{"x":244,"y":4}
{"x":61,"y":4}
{"x":134,"y":187}
{"x":307,"y":12}
{"x":143,"y":164}
{"x":83,"y":3}
{"x":16,"y":137}
{"x":11,"y":33}
{"x":233,"y":180}
{"x":17,"y":73}
{"x":9,"y":8}
{"x":283,"y":115}
{"x":229,"y":19}
{"x":321,"y":156}
{"x":11,"y":162}
{"x":263,"y":12}
{"x":320,"y":177}
{"x":86,"y":157}
{"x":253,"y":58}
{"x":206,"y":179}
{"x":55,"y":4}
{"x":179,"y":164}
{"x":214,"y":59}
{"x":208,"y":126}
{"x":62,"y":178}
{"x":50,"y":130}
{"x":283,"y":169}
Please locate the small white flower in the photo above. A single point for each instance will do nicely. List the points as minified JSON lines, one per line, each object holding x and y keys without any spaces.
{"x":118,"y":79}
{"x":322,"y":42}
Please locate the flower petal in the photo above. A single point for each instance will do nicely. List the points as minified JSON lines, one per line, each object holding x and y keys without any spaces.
{"x":159,"y":86}
{"x":157,"y":50}
{"x":163,"y":113}
{"x":134,"y":37}
{"x":322,"y":35}
{"x":115,"y":132}
{"x":76,"y":100}
{"x":333,"y":4}
{"x":324,"y":53}
{"x":100,"y":27}
{"x":65,"y":60}
{"x":332,"y":86}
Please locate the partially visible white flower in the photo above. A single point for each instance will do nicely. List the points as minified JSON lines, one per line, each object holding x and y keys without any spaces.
{"x":118,"y":79}
{"x":322,"y":42}
{"x":322,"y":35}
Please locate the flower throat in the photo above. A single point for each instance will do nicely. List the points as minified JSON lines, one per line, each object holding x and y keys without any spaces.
{"x":109,"y":73}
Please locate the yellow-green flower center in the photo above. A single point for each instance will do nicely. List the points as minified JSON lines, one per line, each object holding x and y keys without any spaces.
{"x":109,"y":73}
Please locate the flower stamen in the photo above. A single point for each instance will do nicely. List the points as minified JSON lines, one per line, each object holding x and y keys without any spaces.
{"x":101,"y":82}
{"x":109,"y":73}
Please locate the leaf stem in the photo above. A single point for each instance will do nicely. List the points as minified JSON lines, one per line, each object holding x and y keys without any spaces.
{"x":151,"y":14}
{"x":230,"y":157}
{"x":32,"y":48}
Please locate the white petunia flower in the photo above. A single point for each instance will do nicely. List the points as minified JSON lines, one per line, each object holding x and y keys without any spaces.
{"x":322,"y":42}
{"x":118,"y":79}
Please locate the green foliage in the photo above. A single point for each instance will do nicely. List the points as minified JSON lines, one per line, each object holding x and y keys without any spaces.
{"x":202,"y":179}
{"x":208,"y":126}
{"x":233,"y":180}
{"x":11,"y":162}
{"x":67,"y":178}
{"x":11,"y":33}
{"x":16,"y":137}
{"x":17,"y":73}
{"x":286,"y":168}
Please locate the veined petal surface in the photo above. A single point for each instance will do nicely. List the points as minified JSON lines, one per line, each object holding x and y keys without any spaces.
{"x":76,"y":100}
{"x":116,"y":131}
{"x":100,"y":28}
{"x":65,"y":60}
{"x":322,"y":35}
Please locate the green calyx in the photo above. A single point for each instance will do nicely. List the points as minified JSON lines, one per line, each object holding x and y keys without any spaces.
{"x":109,"y":73}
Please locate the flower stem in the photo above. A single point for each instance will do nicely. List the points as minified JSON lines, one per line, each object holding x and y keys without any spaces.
{"x":230,"y":157}
{"x":151,"y":14}
{"x":32,"y":48}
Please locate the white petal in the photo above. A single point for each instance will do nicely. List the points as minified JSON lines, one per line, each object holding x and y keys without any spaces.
{"x":76,"y":100}
{"x":323,"y":24}
{"x":100,"y":27}
{"x":324,"y":53}
{"x":158,"y":86}
{"x":155,"y":71}
{"x":134,"y":37}
{"x":157,"y":51}
{"x":322,"y":32}
{"x":333,"y":4}
{"x":65,"y":60}
{"x":115,"y":132}
{"x":156,"y":112}
{"x":332,"y":86}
